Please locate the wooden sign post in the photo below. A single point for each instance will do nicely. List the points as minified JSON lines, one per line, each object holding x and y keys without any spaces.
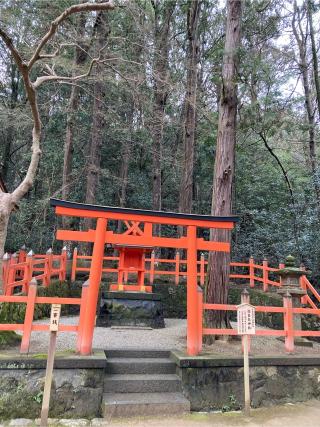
{"x":54,"y":326}
{"x":246,"y":326}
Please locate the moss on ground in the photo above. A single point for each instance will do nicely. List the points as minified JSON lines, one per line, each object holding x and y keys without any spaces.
{"x":9,"y":339}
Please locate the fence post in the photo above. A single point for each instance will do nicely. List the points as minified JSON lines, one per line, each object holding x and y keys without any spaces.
{"x":84,"y":293}
{"x":202,"y":269}
{"x":63,"y":264}
{"x":28,"y":319}
{"x":177,"y":270}
{"x":288,"y":322}
{"x":251,"y":271}
{"x":245,"y":299}
{"x":5,"y":272}
{"x":12,"y":272}
{"x":265,"y":275}
{"x":22,"y":254}
{"x":200,"y":318}
{"x":151,"y":275}
{"x":28,"y":271}
{"x":303,"y":285}
{"x":48,"y":267}
{"x":21,"y":258}
{"x":74,"y":264}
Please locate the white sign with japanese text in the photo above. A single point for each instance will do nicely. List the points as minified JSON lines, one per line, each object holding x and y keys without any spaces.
{"x":246,"y":319}
{"x":55,"y":317}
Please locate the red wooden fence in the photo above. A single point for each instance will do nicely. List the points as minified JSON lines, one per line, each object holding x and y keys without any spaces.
{"x":30,"y":300}
{"x":287,"y":310}
{"x":19,"y":268}
{"x":20,"y":271}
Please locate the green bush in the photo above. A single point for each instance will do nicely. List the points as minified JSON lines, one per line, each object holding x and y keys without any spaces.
{"x":8,"y":339}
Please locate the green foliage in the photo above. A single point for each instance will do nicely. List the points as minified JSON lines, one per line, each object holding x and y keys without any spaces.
{"x":271,"y":113}
{"x":8,"y":339}
{"x":231,"y":405}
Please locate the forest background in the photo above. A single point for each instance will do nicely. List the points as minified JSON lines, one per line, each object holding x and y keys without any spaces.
{"x":141,"y":130}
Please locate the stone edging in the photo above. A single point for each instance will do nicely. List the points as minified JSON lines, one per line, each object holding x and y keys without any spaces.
{"x":208,"y":361}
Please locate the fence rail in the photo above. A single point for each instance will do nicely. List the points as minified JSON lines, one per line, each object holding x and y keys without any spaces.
{"x":288,"y":312}
{"x":19,"y":268}
{"x":31,"y":299}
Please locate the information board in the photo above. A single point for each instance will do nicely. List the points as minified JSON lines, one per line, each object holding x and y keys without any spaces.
{"x":246,"y":319}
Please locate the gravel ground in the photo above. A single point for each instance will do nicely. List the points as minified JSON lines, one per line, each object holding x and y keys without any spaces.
{"x":173,"y":336}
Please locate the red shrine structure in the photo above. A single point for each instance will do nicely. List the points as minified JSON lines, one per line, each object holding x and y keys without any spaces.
{"x":133,"y":244}
{"x":131,"y":260}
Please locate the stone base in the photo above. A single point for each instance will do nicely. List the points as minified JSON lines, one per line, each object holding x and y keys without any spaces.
{"x":131,"y":309}
{"x":299,"y":341}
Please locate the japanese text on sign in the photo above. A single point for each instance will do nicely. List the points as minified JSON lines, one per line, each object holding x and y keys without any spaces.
{"x":246,"y":319}
{"x":55,"y":316}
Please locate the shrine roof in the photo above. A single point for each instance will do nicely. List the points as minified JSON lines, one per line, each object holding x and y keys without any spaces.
{"x":144,"y":212}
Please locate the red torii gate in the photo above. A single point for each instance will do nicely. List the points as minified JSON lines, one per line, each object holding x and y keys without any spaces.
{"x":101,"y":235}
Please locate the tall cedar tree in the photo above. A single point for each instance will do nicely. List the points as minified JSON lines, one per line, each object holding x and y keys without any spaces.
{"x":189,"y":124}
{"x":162,"y":18}
{"x":219,"y":262}
{"x":101,"y":33}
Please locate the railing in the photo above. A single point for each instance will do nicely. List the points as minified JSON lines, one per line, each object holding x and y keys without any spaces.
{"x":177,"y":268}
{"x":20,"y":268}
{"x":252,"y":272}
{"x":287,"y":310}
{"x":30,"y":300}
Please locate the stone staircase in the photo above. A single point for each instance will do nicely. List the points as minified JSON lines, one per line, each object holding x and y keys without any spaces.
{"x":141,"y":383}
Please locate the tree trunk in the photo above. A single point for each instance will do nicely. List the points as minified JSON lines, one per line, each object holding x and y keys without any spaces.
{"x":98,"y":123}
{"x":186,"y":188}
{"x":163,"y":14}
{"x":303,"y":67}
{"x":310,"y":7}
{"x":79,"y":59}
{"x":8,"y":202}
{"x":6,"y":207}
{"x":219,"y":262}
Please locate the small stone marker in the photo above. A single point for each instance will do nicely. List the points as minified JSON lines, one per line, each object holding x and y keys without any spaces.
{"x":246,"y":326}
{"x":53,"y":327}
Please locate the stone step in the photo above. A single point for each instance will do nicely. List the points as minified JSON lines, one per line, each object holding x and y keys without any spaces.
{"x":143,"y":404}
{"x":136,"y":353}
{"x":151,"y":365}
{"x":156,"y":383}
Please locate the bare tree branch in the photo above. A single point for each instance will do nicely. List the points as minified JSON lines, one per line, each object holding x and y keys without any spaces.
{"x":54,"y":77}
{"x":85,"y":7}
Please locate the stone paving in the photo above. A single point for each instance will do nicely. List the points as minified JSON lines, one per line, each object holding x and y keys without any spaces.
{"x":299,"y":415}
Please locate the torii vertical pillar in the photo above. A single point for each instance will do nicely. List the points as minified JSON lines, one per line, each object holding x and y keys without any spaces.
{"x":94,"y":284}
{"x":192,"y":295}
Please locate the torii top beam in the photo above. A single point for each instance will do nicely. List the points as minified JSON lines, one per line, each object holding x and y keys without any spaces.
{"x":148,"y":217}
{"x":64,"y":207}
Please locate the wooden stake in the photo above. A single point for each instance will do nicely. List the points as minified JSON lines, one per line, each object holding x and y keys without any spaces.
{"x":48,"y":379}
{"x":54,"y":326}
{"x":246,"y":375}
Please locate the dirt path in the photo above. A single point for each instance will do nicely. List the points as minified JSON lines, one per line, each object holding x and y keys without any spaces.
{"x":298,"y":415}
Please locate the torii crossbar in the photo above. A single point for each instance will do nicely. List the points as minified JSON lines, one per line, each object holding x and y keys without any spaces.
{"x":138,"y":236}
